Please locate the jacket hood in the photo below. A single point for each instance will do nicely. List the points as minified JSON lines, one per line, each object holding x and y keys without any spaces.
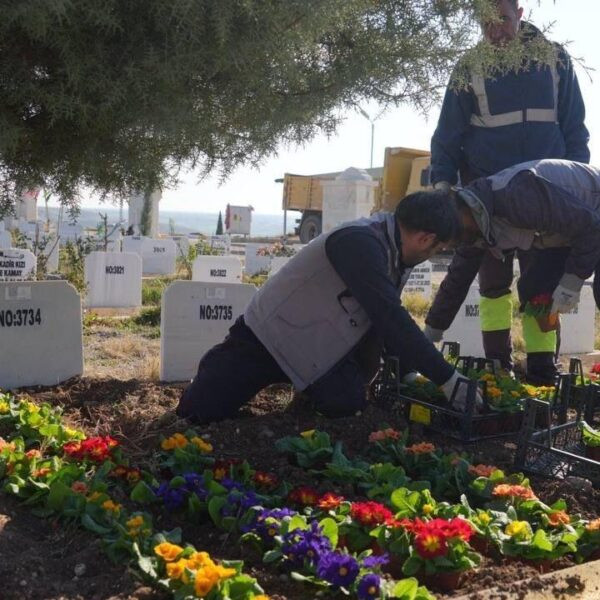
{"x":480,"y":212}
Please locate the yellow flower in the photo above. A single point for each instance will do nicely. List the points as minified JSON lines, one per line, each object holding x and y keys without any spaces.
{"x":307,"y":434}
{"x":135,"y":522}
{"x":72,"y":432}
{"x":515,"y":394}
{"x":4,"y":407}
{"x":201,"y":444}
{"x":484,"y":518}
{"x":200,"y":559}
{"x":261,"y":597}
{"x":177,"y":440}
{"x":94,"y":496}
{"x":206,"y":578}
{"x":518,"y":529}
{"x":167,"y":551}
{"x":31,"y":407}
{"x":176,"y":570}
{"x":225,"y":572}
{"x":111,"y":506}
{"x":427,"y":509}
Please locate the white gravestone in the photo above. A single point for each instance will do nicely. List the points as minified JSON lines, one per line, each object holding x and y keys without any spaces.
{"x":133,"y":243}
{"x":255,"y":263}
{"x":5,"y":240}
{"x":195,"y":317}
{"x":183,"y":245}
{"x":17,"y":264}
{"x":466,"y":327}
{"x":277,"y":262}
{"x":348,"y":197}
{"x":159,"y":256}
{"x":577,"y":328}
{"x":220,"y":243}
{"x":238,"y":219}
{"x":114,"y":280}
{"x":419,"y":281}
{"x":52,"y":253}
{"x":41,"y":333}
{"x":215,"y":269}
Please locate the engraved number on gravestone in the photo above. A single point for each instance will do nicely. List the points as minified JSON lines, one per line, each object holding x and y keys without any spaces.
{"x":218,"y":272}
{"x":157,"y":249}
{"x":115,"y":270}
{"x":216,"y":312}
{"x":20,"y":317}
{"x":471,"y":310}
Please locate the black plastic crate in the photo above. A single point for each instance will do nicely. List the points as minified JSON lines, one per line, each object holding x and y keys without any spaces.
{"x":465,"y":426}
{"x":583,"y":396}
{"x":556,"y":451}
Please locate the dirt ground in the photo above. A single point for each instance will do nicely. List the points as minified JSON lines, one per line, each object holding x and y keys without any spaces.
{"x":42,"y":559}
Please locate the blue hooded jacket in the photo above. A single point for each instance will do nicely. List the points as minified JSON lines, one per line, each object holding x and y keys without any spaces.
{"x":513,"y":118}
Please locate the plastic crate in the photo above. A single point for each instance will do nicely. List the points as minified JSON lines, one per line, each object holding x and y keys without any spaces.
{"x":583,"y":396}
{"x":556,"y":451}
{"x":465,"y":426}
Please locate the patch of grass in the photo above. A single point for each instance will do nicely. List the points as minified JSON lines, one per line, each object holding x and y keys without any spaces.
{"x":152,"y":290}
{"x":148,"y":317}
{"x":417,"y":305}
{"x":258,"y":280}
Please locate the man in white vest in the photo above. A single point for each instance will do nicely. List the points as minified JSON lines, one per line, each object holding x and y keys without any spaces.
{"x":323,"y":321}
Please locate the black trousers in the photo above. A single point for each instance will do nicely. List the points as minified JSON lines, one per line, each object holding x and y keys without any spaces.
{"x":233,"y":372}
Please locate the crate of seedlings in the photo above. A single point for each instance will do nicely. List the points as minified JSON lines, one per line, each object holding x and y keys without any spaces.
{"x":423,"y":402}
{"x":559,"y":451}
{"x":583,"y":392}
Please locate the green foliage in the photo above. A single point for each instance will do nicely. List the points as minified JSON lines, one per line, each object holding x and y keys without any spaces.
{"x":591,"y":436}
{"x":73,"y":262}
{"x":120,"y":95}
{"x":148,"y":317}
{"x":219,"y":230}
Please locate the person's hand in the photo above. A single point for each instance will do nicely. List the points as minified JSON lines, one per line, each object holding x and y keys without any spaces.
{"x":410,"y":377}
{"x":433,"y":335}
{"x":459,"y":401}
{"x":566,"y":295}
{"x":443,"y":186}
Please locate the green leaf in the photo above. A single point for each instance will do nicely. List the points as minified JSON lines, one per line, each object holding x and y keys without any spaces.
{"x":330,"y":530}
{"x":272,"y":556}
{"x":411,"y":565}
{"x":214,"y":509}
{"x":405,"y":589}
{"x":58,"y":493}
{"x":297,"y":522}
{"x":142,"y":493}
{"x":92,"y":525}
{"x":540,"y":540}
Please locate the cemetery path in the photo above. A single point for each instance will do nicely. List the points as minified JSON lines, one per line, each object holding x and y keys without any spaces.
{"x":138,"y":413}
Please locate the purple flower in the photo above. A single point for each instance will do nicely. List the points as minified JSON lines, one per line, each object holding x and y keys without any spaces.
{"x":172,"y":498}
{"x":370,"y":562}
{"x":368,"y":587}
{"x":194,"y":483}
{"x":267,"y":521}
{"x":338,"y":569}
{"x":230,"y":484}
{"x":308,"y":545}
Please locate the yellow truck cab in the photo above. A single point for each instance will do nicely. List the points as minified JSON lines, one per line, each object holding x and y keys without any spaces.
{"x":405,"y":170}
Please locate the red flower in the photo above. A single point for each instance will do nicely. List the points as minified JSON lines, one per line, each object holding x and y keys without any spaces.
{"x":97,"y":449}
{"x":370,"y":513}
{"x":400,"y":523}
{"x":133,"y":475}
{"x":541,"y":300}
{"x":265,"y":480}
{"x":222,"y":467}
{"x":304,"y":495}
{"x":431,"y":544}
{"x":330,"y":500}
{"x":595,"y":369}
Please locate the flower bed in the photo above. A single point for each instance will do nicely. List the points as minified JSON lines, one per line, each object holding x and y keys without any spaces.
{"x":417,"y":516}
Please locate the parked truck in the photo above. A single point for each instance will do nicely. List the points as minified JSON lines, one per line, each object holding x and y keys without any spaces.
{"x":405,"y":170}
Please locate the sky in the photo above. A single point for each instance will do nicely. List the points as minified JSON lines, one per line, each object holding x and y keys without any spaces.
{"x":574,"y":21}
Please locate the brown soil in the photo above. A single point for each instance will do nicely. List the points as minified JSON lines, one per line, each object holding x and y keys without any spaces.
{"x":137,"y":413}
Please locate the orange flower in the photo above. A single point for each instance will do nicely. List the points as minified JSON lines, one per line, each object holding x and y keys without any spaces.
{"x":422,"y":448}
{"x":31,"y":454}
{"x":329,"y":501}
{"x":42,"y":472}
{"x":482,"y":470}
{"x":504,"y":490}
{"x":4,"y":445}
{"x":167,"y":551}
{"x":384,"y":434}
{"x":558,"y":518}
{"x":593,"y":525}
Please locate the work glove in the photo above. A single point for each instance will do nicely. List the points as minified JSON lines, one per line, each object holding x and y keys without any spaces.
{"x":433,"y":335}
{"x":459,"y":402}
{"x":410,"y":377}
{"x":443,"y":186}
{"x":566,"y":295}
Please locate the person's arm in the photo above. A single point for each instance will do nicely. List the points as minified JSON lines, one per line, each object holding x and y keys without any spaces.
{"x":571,"y":112}
{"x":361,"y":261}
{"x":447,"y":140}
{"x":551,"y":209}
{"x":455,"y":287}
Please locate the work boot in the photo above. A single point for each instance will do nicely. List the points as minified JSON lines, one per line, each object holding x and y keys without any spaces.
{"x":498,"y":346}
{"x":541,"y":369}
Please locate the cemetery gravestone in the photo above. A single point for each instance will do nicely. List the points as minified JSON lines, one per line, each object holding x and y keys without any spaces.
{"x":17,"y":264}
{"x":419,"y":280}
{"x":578,"y":327}
{"x":466,"y":327}
{"x":114,"y":280}
{"x":133,"y":243}
{"x":254,"y":263}
{"x":158,"y":256}
{"x":183,"y":245}
{"x":69,"y":232}
{"x":195,"y":317}
{"x":41,"y":332}
{"x":225,"y":269}
{"x":220,"y":243}
{"x":5,"y":240}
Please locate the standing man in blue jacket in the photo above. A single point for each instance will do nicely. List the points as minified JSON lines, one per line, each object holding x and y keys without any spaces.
{"x":491,"y":125}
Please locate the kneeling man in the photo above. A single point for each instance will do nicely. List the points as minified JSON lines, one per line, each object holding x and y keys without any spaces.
{"x":324,"y":320}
